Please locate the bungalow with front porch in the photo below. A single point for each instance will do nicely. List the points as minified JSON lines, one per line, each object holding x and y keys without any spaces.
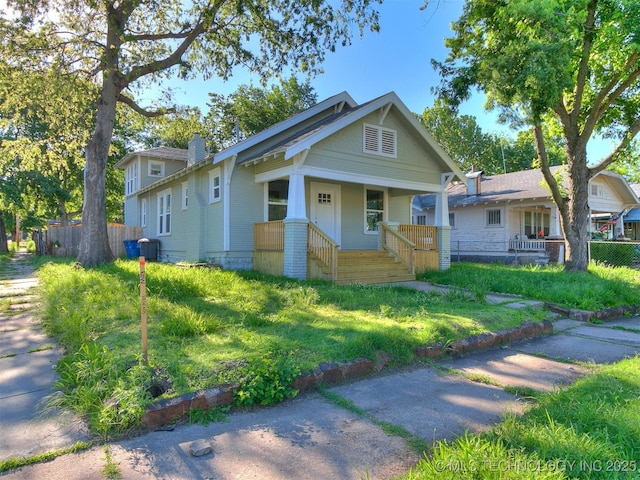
{"x":512,"y":218}
{"x":324,"y":194}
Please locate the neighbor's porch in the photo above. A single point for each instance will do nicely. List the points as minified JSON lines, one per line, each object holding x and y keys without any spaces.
{"x":403,"y":251}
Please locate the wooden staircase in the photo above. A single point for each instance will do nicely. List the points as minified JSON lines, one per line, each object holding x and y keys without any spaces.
{"x":370,"y":266}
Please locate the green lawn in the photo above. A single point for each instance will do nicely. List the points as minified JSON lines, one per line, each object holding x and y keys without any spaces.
{"x":588,"y":430}
{"x":600,"y":287}
{"x":209,"y":327}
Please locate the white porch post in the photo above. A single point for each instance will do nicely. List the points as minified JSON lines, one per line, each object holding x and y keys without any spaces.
{"x":442,"y":222}
{"x":296,"y":225}
{"x":619,"y":229}
{"x":554,"y":228}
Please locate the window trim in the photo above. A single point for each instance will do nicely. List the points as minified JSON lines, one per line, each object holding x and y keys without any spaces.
{"x":143,"y":212}
{"x":185,"y":195}
{"x":385,"y":202}
{"x":164,"y":214}
{"x":131,"y":178}
{"x":155,"y":162}
{"x":380,"y":141}
{"x":487,"y":214}
{"x":215,"y":192}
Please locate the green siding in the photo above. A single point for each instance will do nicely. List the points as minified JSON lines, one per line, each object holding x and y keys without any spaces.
{"x":343,"y":151}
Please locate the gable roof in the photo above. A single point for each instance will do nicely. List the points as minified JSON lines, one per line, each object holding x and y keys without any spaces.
{"x":162,"y":153}
{"x":337,"y":102}
{"x":524,"y":185}
{"x":308,"y":135}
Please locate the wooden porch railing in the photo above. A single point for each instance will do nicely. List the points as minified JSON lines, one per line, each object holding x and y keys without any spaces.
{"x":269,"y":235}
{"x":527,"y":245}
{"x":398,"y":245}
{"x":424,"y":236}
{"x":324,"y":249}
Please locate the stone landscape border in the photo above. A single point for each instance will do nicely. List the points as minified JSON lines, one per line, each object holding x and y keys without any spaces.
{"x":170,"y":410}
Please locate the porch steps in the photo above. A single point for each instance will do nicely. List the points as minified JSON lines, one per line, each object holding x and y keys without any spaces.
{"x":370,"y":266}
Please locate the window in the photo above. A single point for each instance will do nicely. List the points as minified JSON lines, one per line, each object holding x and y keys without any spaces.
{"x":374,"y":210}
{"x":420,"y":219}
{"x":164,"y":212}
{"x":131,"y":178}
{"x":379,"y":140}
{"x":494,"y":218}
{"x":452,"y":219}
{"x":185,"y":195}
{"x":278,"y":199}
{"x":536,"y":223}
{"x":143,"y":212}
{"x":597,"y":190}
{"x":156,"y":169}
{"x":214,"y":186}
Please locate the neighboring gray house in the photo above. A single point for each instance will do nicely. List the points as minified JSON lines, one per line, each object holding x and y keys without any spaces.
{"x":509,"y":216}
{"x":322,"y":194}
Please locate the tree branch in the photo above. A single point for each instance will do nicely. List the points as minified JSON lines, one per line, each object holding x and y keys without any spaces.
{"x":608,"y":95}
{"x":137,"y":108}
{"x":583,"y":70}
{"x":613,"y":156}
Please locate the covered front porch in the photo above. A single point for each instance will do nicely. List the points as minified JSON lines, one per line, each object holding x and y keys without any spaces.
{"x":403,"y":250}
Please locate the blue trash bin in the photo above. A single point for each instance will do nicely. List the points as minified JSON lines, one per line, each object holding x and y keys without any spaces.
{"x":132,"y":248}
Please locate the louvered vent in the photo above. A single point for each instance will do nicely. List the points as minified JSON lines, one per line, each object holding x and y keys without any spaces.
{"x":379,"y":140}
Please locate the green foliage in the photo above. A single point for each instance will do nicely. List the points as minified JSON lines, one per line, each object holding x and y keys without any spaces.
{"x":199,"y":416}
{"x":250,"y":110}
{"x":109,"y":393}
{"x":613,"y":254}
{"x":600,"y":287}
{"x":204,"y":323}
{"x":588,"y":430}
{"x":268,"y":381}
{"x":15,"y":463}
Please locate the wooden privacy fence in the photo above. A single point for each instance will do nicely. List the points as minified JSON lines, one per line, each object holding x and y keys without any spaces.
{"x":64,"y":241}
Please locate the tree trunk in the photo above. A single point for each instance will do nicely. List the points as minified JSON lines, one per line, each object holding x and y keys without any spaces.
{"x":94,"y":243}
{"x":577,"y":231}
{"x":3,"y":236}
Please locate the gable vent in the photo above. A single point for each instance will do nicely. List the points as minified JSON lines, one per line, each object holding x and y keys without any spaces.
{"x":379,"y":140}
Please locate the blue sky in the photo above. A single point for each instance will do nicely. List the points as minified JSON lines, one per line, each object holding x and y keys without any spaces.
{"x":398,"y":58}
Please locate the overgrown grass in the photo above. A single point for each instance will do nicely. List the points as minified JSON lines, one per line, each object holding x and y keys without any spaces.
{"x":588,"y":430}
{"x":600,"y":287}
{"x":210,"y":327}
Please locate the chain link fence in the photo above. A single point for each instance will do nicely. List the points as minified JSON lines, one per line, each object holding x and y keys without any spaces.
{"x":533,"y":251}
{"x":615,"y":254}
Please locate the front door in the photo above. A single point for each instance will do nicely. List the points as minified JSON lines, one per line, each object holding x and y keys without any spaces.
{"x":325,"y":209}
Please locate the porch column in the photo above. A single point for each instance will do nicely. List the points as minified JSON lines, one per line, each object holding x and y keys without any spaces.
{"x":442,"y":223}
{"x":296,"y":226}
{"x":554,"y":228}
{"x":444,"y":247}
{"x":619,"y":229}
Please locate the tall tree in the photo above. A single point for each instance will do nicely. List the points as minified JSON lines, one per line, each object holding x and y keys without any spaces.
{"x":576,"y":60}
{"x":250,"y":109}
{"x":124,"y":45}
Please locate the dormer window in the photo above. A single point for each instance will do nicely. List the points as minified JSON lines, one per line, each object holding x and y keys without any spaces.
{"x":379,"y":140}
{"x":156,"y":169}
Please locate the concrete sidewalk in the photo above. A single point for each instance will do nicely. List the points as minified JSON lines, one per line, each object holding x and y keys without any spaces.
{"x":27,"y":358}
{"x":309,"y":437}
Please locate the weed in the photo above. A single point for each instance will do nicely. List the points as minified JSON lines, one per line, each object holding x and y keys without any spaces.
{"x":268,"y":381}
{"x":199,"y":416}
{"x":111,"y":469}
